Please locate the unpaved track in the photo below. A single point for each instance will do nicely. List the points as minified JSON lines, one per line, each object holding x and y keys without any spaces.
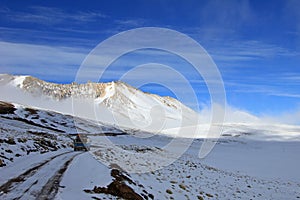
{"x":40,"y":181}
{"x":50,"y":189}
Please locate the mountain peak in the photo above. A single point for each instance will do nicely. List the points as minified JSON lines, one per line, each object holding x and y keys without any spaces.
{"x":97,"y":91}
{"x":111,"y":102}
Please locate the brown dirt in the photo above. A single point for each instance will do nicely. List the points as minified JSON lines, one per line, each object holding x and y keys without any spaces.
{"x":118,"y":187}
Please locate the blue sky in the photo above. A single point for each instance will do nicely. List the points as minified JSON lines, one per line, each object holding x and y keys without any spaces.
{"x":255,"y":44}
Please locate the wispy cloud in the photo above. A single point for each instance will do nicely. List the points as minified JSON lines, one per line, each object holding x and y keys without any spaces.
{"x":53,"y":37}
{"x":49,"y":15}
{"x":291,"y":77}
{"x":40,"y":60}
{"x":131,"y":22}
{"x":286,"y":95}
{"x":257,"y":86}
{"x":248,"y":50}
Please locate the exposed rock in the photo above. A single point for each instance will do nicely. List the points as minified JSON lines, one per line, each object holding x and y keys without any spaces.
{"x":6,"y":108}
{"x":63,"y":91}
{"x":118,"y":187}
{"x":10,"y":141}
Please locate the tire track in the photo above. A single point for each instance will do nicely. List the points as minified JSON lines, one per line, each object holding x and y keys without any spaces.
{"x":14,"y":182}
{"x":50,"y":189}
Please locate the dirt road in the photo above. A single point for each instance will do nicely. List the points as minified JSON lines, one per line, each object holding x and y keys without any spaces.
{"x":41,"y":181}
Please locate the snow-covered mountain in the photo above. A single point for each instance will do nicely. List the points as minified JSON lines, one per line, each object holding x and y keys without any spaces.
{"x":122,"y":106}
{"x":112,"y":103}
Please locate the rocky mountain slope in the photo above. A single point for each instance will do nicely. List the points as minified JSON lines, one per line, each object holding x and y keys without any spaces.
{"x":112,"y":103}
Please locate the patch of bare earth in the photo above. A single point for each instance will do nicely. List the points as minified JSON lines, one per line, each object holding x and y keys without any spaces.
{"x":119,"y":187}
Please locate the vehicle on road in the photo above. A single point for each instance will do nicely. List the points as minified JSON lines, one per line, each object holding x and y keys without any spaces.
{"x":81,"y":143}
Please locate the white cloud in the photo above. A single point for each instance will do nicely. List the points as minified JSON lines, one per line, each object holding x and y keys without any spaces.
{"x":258,"y":86}
{"x":50,"y":15}
{"x":287,"y":117}
{"x":44,"y":60}
{"x":284,"y":94}
{"x":234,"y":51}
{"x":131,"y":22}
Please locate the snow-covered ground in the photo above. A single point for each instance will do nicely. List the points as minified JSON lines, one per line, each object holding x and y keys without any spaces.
{"x":188,"y":177}
{"x":256,"y":170}
{"x":236,"y":168}
{"x":239,"y":167}
{"x":251,"y":160}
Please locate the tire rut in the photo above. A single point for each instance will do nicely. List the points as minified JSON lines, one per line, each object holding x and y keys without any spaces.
{"x":50,"y":189}
{"x":12,"y":183}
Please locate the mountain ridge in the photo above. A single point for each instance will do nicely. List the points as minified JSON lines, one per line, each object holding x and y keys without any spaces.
{"x":60,"y":91}
{"x":113,"y":102}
